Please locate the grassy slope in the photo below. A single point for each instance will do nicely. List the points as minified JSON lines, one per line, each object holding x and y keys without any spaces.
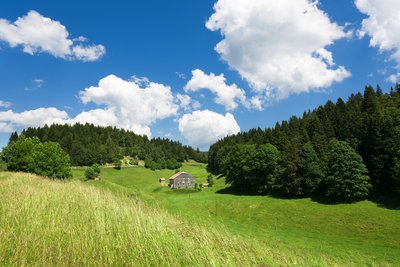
{"x":303,"y":230}
{"x":51,"y":223}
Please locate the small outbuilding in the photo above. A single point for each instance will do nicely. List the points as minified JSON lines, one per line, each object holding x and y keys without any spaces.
{"x":162,"y":180}
{"x":206,"y":185}
{"x":181,"y":180}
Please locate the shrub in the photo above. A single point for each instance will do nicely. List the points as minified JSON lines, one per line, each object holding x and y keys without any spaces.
{"x":117,"y":164}
{"x":134,"y":162}
{"x":210,"y":180}
{"x":92,"y":172}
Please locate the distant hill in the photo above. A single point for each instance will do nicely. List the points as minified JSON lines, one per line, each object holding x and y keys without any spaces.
{"x":87,"y":144}
{"x":369,"y":123}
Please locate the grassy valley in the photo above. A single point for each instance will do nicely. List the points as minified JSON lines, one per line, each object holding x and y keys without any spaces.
{"x":128,"y":218}
{"x":294,"y":230}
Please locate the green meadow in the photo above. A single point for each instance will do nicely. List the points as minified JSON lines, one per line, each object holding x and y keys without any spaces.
{"x":128,"y":218}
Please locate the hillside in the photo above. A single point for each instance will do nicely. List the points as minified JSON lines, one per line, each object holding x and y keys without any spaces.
{"x":51,"y":223}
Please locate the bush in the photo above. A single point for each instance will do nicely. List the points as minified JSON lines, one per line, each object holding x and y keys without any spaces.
{"x":134,"y":162}
{"x":30,"y":155}
{"x":92,"y":172}
{"x":117,"y":164}
{"x":210,"y":180}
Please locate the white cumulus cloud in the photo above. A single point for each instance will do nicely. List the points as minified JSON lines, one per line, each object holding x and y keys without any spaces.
{"x":10,"y":120}
{"x":204,"y":127}
{"x":130,"y":105}
{"x":127,"y":104}
{"x":226,"y":95}
{"x":382,"y":25}
{"x":36,"y":33}
{"x":279,"y":47}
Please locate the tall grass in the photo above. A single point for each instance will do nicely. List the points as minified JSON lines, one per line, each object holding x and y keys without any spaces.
{"x":55,"y":223}
{"x":52,"y":223}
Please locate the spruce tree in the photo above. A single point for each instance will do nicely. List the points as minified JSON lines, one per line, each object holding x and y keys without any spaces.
{"x":13,"y":137}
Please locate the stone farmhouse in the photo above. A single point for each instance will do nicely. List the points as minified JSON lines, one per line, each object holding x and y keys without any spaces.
{"x":181,"y":180}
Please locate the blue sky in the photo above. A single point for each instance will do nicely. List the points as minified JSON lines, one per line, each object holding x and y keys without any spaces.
{"x":154,"y":67}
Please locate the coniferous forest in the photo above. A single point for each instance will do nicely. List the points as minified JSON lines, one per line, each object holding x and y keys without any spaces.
{"x":348,"y":150}
{"x":87,"y":144}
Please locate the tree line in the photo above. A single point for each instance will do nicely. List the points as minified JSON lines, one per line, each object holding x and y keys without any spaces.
{"x":87,"y":144}
{"x":344,"y":149}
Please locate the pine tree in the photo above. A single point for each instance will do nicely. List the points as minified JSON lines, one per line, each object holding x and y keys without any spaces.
{"x":13,"y":137}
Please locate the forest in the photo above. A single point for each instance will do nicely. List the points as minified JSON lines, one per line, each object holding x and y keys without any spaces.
{"x":344,"y":150}
{"x":87,"y":144}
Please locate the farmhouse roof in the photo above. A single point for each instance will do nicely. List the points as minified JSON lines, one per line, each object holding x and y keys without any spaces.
{"x":176,"y":175}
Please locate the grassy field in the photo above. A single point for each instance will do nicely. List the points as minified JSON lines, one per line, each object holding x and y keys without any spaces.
{"x":355,"y":234}
{"x":127,"y":218}
{"x":52,"y":223}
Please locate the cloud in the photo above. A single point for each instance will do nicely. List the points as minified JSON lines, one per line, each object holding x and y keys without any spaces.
{"x":279,"y":47}
{"x":393,"y":78}
{"x":5,"y":128}
{"x":184,"y":101}
{"x":125,"y":104}
{"x":181,"y":75}
{"x":5,"y":104}
{"x":38,"y":82}
{"x":202,"y":128}
{"x":36,"y":33}
{"x":382,"y":25}
{"x":88,"y":53}
{"x":10,"y":120}
{"x":196,"y":104}
{"x":226,"y":95}
{"x":187,"y":103}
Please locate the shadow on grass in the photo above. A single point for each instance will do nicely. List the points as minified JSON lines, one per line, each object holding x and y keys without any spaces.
{"x":385,"y":202}
{"x":158,"y":189}
{"x":220,"y":176}
{"x":332,"y":201}
{"x":233,"y":191}
{"x":389,"y":201}
{"x":184,"y":190}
